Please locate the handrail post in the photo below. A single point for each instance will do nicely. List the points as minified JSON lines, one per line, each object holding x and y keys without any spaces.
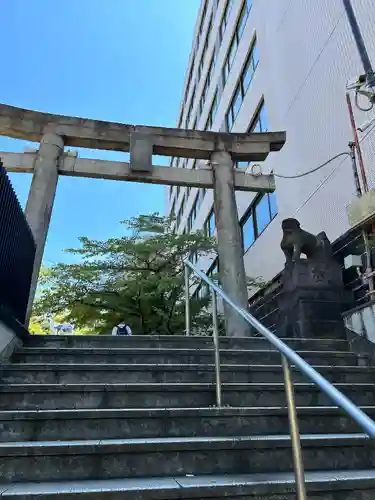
{"x":294,"y":432}
{"x":215,"y":325}
{"x":187,"y":302}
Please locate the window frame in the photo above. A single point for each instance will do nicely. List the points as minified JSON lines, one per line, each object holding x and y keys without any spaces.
{"x":251,"y":213}
{"x":236,"y":39}
{"x":240,"y":90}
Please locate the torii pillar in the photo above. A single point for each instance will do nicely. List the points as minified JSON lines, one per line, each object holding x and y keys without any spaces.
{"x":40,"y":201}
{"x":229,"y":243}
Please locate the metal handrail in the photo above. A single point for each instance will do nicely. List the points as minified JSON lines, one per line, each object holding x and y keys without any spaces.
{"x":288,"y":356}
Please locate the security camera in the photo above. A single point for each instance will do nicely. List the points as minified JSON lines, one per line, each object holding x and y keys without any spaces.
{"x":356,"y":83}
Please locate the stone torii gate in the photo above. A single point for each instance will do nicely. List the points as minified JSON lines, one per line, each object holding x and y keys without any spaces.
{"x":53,"y":132}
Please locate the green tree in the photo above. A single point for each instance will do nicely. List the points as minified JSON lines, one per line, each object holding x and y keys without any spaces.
{"x":138,"y":278}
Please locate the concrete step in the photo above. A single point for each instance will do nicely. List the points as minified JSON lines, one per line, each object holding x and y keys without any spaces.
{"x":158,"y":457}
{"x":91,"y":396}
{"x":172,"y":356}
{"x":54,"y":425}
{"x":178,"y":342}
{"x":326,"y":485}
{"x":35,"y":373}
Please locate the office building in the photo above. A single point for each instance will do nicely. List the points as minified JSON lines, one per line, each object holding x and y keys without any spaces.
{"x":277,"y":65}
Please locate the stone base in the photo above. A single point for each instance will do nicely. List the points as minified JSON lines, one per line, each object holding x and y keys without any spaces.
{"x":308,"y":313}
{"x":312,"y":301}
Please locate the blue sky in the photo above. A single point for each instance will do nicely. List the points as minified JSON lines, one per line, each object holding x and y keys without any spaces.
{"x":117,"y":60}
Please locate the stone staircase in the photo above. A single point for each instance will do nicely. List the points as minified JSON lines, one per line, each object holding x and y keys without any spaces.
{"x":97,"y":417}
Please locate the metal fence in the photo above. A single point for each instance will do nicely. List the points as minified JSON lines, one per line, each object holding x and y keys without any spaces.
{"x":17,"y":251}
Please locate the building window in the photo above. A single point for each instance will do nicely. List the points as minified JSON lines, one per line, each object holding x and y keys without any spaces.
{"x":206,"y":85}
{"x":250,"y":67}
{"x":257,"y":218}
{"x":201,"y":195}
{"x":241,"y":23}
{"x":193,"y":212}
{"x":214,"y":270}
{"x":203,"y":291}
{"x":243,"y":84}
{"x":273,"y":204}
{"x":171,"y":213}
{"x":194,"y":257}
{"x":242,"y":20}
{"x":192,"y":99}
{"x":225,"y":18}
{"x":204,"y":12}
{"x":182,"y":206}
{"x":241,"y":164}
{"x":215,"y":54}
{"x":177,"y":192}
{"x":210,"y":224}
{"x":192,"y":215}
{"x":230,"y":59}
{"x":186,"y":91}
{"x":211,"y":70}
{"x":212,"y":113}
{"x":259,"y":122}
{"x":247,"y":229}
{"x":205,"y":48}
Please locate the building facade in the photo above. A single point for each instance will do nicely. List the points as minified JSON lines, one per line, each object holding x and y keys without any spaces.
{"x":259,"y":65}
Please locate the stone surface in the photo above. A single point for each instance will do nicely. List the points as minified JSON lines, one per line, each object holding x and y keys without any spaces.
{"x":173,"y":356}
{"x":229,"y":244}
{"x":40,"y":201}
{"x":67,"y":425}
{"x":121,"y":171}
{"x":8,"y":342}
{"x":151,"y":431}
{"x":335,"y":485}
{"x":118,"y":459}
{"x":312,"y":297}
{"x":178,"y":342}
{"x":82,"y":132}
{"x":36,"y":373}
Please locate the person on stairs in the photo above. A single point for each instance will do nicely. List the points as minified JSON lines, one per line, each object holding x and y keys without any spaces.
{"x":122,"y":329}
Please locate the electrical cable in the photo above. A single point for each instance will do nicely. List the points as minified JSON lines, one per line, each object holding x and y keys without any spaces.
{"x":255,"y":174}
{"x":356,"y":100}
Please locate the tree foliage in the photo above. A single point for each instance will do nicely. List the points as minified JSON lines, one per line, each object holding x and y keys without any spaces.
{"x":137,"y":278}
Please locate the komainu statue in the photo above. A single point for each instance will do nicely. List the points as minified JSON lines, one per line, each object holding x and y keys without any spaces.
{"x":313,"y":295}
{"x":296,"y":241}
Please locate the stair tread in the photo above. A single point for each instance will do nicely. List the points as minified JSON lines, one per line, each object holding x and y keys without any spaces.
{"x":137,"y":386}
{"x":153,"y":350}
{"x":158,"y":444}
{"x":186,"y":485}
{"x":170,"y":412}
{"x":166,"y":367}
{"x":182,"y":338}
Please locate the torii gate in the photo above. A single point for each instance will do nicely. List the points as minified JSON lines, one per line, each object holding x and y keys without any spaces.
{"x":220,"y":149}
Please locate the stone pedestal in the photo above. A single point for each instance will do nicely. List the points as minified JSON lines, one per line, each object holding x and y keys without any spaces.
{"x":312,"y":300}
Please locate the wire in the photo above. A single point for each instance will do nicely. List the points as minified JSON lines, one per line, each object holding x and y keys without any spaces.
{"x":259,"y":172}
{"x":356,"y":100}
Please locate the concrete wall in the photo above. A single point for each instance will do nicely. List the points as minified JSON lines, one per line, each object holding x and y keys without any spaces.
{"x":306,"y":55}
{"x":8,"y":342}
